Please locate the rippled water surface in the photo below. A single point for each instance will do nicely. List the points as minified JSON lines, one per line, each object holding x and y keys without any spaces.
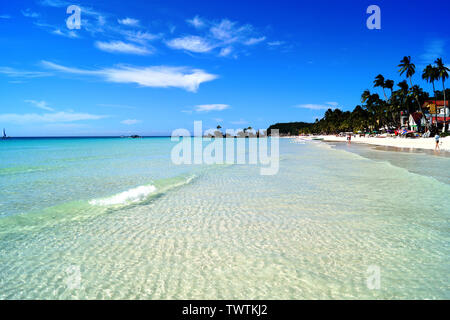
{"x":114,"y":218}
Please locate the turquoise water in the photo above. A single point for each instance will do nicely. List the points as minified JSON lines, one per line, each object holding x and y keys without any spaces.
{"x":115,"y":219}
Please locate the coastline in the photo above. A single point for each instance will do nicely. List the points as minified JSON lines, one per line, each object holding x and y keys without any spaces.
{"x":418,"y":143}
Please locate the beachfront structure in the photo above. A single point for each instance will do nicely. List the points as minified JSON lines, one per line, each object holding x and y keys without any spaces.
{"x":416,"y":121}
{"x":404,"y":120}
{"x":438,"y":112}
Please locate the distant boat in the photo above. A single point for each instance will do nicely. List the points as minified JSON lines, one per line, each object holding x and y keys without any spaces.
{"x":4,"y":134}
{"x":135,"y":136}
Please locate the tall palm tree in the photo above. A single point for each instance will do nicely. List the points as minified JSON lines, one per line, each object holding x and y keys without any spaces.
{"x":379,"y":82}
{"x":431,"y":74}
{"x":364,"y":96}
{"x":389,"y":84}
{"x":410,"y":68}
{"x":402,"y":94}
{"x":443,"y":75}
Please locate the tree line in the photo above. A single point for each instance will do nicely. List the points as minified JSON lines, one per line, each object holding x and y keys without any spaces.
{"x":377,"y":112}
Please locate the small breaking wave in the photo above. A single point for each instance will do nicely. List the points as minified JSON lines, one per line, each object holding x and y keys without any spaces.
{"x":142,"y":193}
{"x":130,"y":196}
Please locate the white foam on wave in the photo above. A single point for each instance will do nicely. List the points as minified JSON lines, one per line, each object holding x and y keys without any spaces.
{"x":130,"y":196}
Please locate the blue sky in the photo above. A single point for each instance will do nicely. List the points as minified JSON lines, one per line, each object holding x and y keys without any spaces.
{"x":149,"y":67}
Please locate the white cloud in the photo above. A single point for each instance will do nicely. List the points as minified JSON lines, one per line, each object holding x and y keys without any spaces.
{"x":128,"y":22}
{"x":64,"y":4}
{"x":122,"y":47}
{"x":275,"y":43}
{"x":130,"y":122}
{"x":211,"y":107}
{"x":11,"y":72}
{"x":191,"y":43}
{"x":140,"y":37}
{"x":54,"y":3}
{"x":332,"y":103}
{"x":225,"y":51}
{"x":433,"y":49}
{"x":30,"y":14}
{"x":156,"y":76}
{"x":224,"y":31}
{"x":48,"y":117}
{"x":69,"y":34}
{"x":40,"y":104}
{"x":5,"y":16}
{"x":225,"y":35}
{"x":312,"y":106}
{"x":253,"y":41}
{"x":197,"y":22}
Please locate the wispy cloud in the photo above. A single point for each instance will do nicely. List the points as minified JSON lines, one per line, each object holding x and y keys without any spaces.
{"x":15,"y":73}
{"x":225,"y":35}
{"x":156,"y":76}
{"x":275,"y":43}
{"x":40,"y":104}
{"x":30,"y":14}
{"x":225,"y":51}
{"x":122,"y":47}
{"x":56,"y":30}
{"x":63,"y":3}
{"x":139,"y":36}
{"x":211,"y":107}
{"x":191,"y":43}
{"x":69,"y":34}
{"x":130,"y":122}
{"x":197,"y":22}
{"x":54,"y":3}
{"x":5,"y":16}
{"x":129,"y":22}
{"x":253,"y":41}
{"x":48,"y":117}
{"x":312,"y":106}
{"x":433,"y":49}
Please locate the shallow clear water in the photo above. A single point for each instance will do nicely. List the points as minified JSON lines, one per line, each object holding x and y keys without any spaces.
{"x":114,"y":218}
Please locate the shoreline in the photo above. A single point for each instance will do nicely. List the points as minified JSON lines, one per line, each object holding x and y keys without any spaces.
{"x":405,"y":143}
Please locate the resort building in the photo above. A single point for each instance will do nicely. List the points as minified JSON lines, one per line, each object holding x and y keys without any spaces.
{"x":438,"y":112}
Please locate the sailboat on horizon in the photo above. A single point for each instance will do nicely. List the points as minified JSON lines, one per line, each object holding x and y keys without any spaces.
{"x":4,"y":134}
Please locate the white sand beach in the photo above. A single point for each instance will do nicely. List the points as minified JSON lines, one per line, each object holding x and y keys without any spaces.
{"x":417,"y":143}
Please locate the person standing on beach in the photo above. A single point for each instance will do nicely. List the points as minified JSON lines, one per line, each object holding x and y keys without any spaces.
{"x":437,"y":137}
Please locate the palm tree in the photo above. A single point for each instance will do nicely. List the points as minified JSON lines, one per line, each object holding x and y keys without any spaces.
{"x":389,"y":84}
{"x":379,"y":82}
{"x":410,"y":68}
{"x":364,"y":97}
{"x":402,"y":94}
{"x":431,"y":74}
{"x":443,"y":75}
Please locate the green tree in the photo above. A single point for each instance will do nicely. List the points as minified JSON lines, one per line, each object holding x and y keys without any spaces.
{"x":431,"y":74}
{"x":443,"y":75}
{"x":406,"y":66}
